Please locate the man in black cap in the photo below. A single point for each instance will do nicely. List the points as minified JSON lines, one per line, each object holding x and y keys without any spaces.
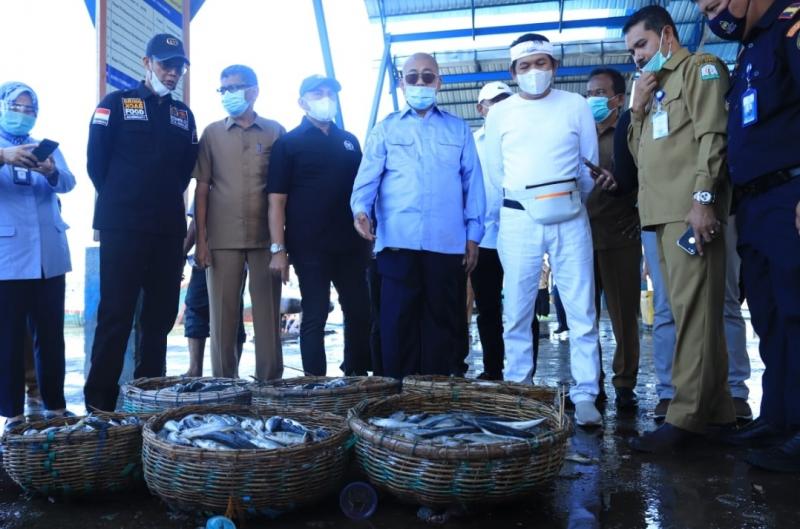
{"x":142,"y":148}
{"x":311,"y":175}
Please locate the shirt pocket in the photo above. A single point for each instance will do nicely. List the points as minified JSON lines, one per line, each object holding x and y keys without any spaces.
{"x":400,"y":152}
{"x":675,"y":106}
{"x":8,"y":231}
{"x":449,"y":151}
{"x":137,"y":136}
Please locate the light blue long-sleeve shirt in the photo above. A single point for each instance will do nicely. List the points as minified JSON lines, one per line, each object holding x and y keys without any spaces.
{"x":424,"y":179}
{"x":33,"y":239}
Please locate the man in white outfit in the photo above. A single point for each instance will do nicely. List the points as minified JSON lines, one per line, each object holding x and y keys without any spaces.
{"x":535,"y":143}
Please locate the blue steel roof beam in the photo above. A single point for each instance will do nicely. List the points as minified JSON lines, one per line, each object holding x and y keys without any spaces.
{"x":505,"y":75}
{"x":383,"y":69}
{"x":560,"y":15}
{"x":611,"y":23}
{"x":322,"y":29}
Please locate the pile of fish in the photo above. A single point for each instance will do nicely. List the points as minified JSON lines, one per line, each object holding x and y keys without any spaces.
{"x":233,"y":432}
{"x":90,"y":423}
{"x":204,"y":386}
{"x":457,"y":429}
{"x":329,"y":384}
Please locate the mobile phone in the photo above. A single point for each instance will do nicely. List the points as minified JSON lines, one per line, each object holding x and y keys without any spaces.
{"x":596,"y":171}
{"x":44,"y":149}
{"x":687,"y":242}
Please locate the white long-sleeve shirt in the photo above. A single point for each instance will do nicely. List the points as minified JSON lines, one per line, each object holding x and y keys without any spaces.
{"x":494,"y":194}
{"x":531,"y":142}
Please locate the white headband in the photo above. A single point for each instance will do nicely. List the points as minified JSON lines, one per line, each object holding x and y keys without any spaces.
{"x":529,"y":47}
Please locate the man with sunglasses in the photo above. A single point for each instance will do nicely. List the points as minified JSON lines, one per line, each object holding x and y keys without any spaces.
{"x":232,"y":225}
{"x":421,"y":172}
{"x":142,"y":148}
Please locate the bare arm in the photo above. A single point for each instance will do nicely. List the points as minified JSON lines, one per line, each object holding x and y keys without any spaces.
{"x":202,"y":254}
{"x":279,"y":263}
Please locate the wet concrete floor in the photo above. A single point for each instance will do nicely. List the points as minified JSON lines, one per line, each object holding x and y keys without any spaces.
{"x":602,"y":484}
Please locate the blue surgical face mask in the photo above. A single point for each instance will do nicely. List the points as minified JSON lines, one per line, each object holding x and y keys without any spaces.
{"x":235,"y":103}
{"x":599,"y":106}
{"x":728,"y":27}
{"x":658,"y":60}
{"x":420,"y":97}
{"x":17,"y":123}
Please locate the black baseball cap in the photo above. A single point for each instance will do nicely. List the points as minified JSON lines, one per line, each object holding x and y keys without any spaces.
{"x":164,"y":47}
{"x":315,"y":81}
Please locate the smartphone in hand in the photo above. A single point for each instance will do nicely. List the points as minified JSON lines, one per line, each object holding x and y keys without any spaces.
{"x":44,"y":149}
{"x":687,"y":242}
{"x":595,"y":170}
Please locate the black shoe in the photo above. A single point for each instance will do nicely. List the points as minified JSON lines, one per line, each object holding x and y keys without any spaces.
{"x":560,"y":329}
{"x":742,"y":409}
{"x":626,"y":399}
{"x":758,"y":433}
{"x":489,"y":376}
{"x":664,"y":439}
{"x":783,"y":458}
{"x":660,"y":412}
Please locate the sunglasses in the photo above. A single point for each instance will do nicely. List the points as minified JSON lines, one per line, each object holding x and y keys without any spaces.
{"x":233,"y":88}
{"x":427,"y":77}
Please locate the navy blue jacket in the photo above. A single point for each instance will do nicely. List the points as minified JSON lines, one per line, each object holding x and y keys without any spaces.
{"x":142,"y":149}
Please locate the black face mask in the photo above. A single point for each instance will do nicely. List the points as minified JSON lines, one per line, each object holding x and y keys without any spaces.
{"x":728,"y":27}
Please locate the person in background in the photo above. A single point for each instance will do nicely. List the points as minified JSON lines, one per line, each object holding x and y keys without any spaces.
{"x":421,"y":173}
{"x":487,"y":278}
{"x":34,"y":258}
{"x":312,"y":170}
{"x":233,"y":239}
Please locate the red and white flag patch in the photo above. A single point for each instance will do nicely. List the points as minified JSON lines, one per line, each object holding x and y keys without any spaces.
{"x":101,"y":116}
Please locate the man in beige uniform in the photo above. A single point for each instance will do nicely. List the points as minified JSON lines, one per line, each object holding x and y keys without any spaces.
{"x":232,"y":229}
{"x":615,"y":234}
{"x":677,"y":137}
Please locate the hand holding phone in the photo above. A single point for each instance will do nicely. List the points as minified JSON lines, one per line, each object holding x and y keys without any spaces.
{"x":688,"y":242}
{"x":44,"y":149}
{"x":595,"y":170}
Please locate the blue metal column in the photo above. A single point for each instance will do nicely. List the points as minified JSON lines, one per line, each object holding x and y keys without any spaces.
{"x":322,"y":28}
{"x":376,"y":101}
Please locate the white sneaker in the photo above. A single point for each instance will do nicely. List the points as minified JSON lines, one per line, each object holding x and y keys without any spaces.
{"x":586,"y":414}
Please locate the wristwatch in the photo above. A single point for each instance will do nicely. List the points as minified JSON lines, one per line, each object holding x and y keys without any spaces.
{"x":704,"y":198}
{"x":276,"y":248}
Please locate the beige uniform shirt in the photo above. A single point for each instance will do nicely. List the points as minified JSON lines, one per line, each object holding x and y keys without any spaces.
{"x":691,"y":157}
{"x":234,"y":162}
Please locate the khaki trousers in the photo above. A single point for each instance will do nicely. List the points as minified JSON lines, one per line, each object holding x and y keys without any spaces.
{"x":226,"y":278}
{"x":696,"y":289}
{"x":617,"y":273}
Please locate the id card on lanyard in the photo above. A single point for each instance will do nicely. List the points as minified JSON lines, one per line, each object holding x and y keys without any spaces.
{"x":749,"y":100}
{"x":660,"y":118}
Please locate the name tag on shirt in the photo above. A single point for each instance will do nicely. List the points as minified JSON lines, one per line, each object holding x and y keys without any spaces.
{"x":660,"y":125}
{"x":22,"y":176}
{"x":749,"y":107}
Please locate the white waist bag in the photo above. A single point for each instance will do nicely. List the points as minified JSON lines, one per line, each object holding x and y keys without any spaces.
{"x":549,"y":203}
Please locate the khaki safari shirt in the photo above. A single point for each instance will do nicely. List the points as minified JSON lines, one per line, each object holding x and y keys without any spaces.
{"x":235,"y":162}
{"x":692,"y":156}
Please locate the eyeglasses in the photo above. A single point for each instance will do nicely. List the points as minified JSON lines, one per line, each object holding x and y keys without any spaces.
{"x":23,"y":109}
{"x":413,"y":77}
{"x":177,"y":65}
{"x":233,"y":88}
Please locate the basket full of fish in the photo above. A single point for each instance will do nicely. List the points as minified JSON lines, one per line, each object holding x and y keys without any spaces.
{"x":154,"y":395}
{"x":332,"y":394}
{"x":438,"y":451}
{"x":462,"y":387}
{"x":76,"y":455}
{"x":262,"y":461}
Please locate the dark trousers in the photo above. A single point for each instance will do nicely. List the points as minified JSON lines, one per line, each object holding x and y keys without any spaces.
{"x":770,"y":250}
{"x":38,"y":303}
{"x":561,"y":314}
{"x":422,"y":311}
{"x":487,"y":283}
{"x":374,"y":287}
{"x":347,"y":273}
{"x":130,"y":263}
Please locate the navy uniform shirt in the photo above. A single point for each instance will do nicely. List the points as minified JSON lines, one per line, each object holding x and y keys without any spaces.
{"x":142,"y":149}
{"x":772,"y":50}
{"x":316,"y":171}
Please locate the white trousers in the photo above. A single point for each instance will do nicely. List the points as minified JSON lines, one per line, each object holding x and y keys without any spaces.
{"x":522,"y":243}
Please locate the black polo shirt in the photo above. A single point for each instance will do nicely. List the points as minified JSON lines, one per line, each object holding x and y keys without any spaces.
{"x":316,"y":171}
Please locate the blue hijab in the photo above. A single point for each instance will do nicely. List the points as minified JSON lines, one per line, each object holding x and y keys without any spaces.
{"x":9,"y":92}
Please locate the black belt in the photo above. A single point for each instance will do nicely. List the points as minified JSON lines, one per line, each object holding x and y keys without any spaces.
{"x":764,"y":183}
{"x":513,"y":204}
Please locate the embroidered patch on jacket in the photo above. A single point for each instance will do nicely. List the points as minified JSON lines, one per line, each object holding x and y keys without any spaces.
{"x":179,"y":117}
{"x":793,"y":30}
{"x":133,"y":109}
{"x":349,"y":145}
{"x":790,"y":12}
{"x":708,"y":72}
{"x":101,"y":116}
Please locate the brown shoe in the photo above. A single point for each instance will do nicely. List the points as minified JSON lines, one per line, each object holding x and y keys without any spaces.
{"x":660,"y":413}
{"x":743,"y":411}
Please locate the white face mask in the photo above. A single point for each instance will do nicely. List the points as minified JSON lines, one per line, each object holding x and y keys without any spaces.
{"x":158,"y":87}
{"x":322,"y":109}
{"x":535,"y":82}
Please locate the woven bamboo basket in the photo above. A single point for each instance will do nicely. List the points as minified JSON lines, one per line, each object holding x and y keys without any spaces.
{"x":334,"y":400}
{"x":154,"y":395}
{"x":455,"y":386}
{"x":434,"y":475}
{"x":74,"y":463}
{"x":253,"y":482}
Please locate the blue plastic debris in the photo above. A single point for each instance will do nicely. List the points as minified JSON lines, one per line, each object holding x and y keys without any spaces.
{"x":220,"y":522}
